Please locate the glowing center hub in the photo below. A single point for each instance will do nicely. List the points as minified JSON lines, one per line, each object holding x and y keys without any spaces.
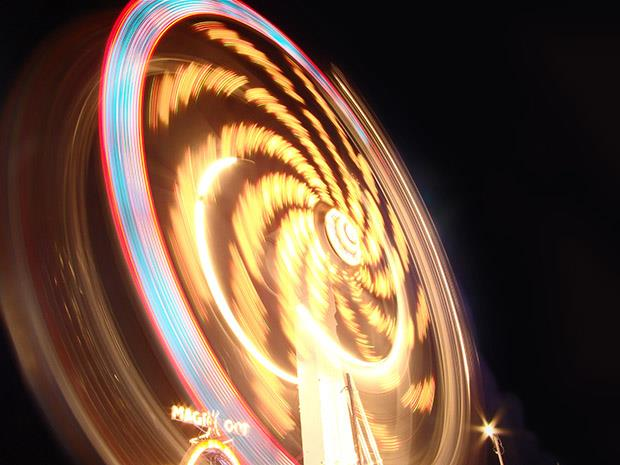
{"x":343,"y":236}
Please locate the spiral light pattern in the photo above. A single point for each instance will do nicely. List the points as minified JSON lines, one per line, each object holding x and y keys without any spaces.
{"x":255,"y":204}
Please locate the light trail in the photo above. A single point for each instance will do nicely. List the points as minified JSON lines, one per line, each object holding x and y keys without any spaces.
{"x":252,"y":198}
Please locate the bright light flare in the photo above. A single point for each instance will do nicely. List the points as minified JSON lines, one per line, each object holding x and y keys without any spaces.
{"x":489,"y":430}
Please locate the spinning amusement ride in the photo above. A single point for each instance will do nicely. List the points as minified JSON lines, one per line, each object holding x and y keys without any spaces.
{"x":234,"y":255}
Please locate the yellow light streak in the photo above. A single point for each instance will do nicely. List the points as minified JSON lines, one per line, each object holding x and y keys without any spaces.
{"x":204,"y":186}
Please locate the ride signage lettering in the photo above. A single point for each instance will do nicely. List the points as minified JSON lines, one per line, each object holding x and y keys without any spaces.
{"x":208,"y":421}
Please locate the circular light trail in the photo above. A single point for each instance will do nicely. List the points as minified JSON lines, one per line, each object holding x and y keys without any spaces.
{"x":263,"y":220}
{"x":362,"y":227}
{"x":343,"y":237}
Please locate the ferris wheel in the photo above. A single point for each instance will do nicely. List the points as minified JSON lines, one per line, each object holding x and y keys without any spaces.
{"x":283,"y":282}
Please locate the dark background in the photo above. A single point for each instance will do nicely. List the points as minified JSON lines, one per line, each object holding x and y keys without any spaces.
{"x":508,"y":119}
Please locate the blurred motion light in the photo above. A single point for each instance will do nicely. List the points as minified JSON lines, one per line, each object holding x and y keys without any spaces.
{"x":343,"y":236}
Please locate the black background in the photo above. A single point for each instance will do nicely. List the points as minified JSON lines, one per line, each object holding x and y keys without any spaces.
{"x":509,"y":120}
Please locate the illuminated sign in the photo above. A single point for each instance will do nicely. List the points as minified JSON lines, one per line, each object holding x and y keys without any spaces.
{"x":208,"y":421}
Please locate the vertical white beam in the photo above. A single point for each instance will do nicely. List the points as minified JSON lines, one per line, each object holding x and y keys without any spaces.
{"x":327,"y":438}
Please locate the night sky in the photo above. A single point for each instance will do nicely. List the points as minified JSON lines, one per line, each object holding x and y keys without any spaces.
{"x":509,"y":121}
